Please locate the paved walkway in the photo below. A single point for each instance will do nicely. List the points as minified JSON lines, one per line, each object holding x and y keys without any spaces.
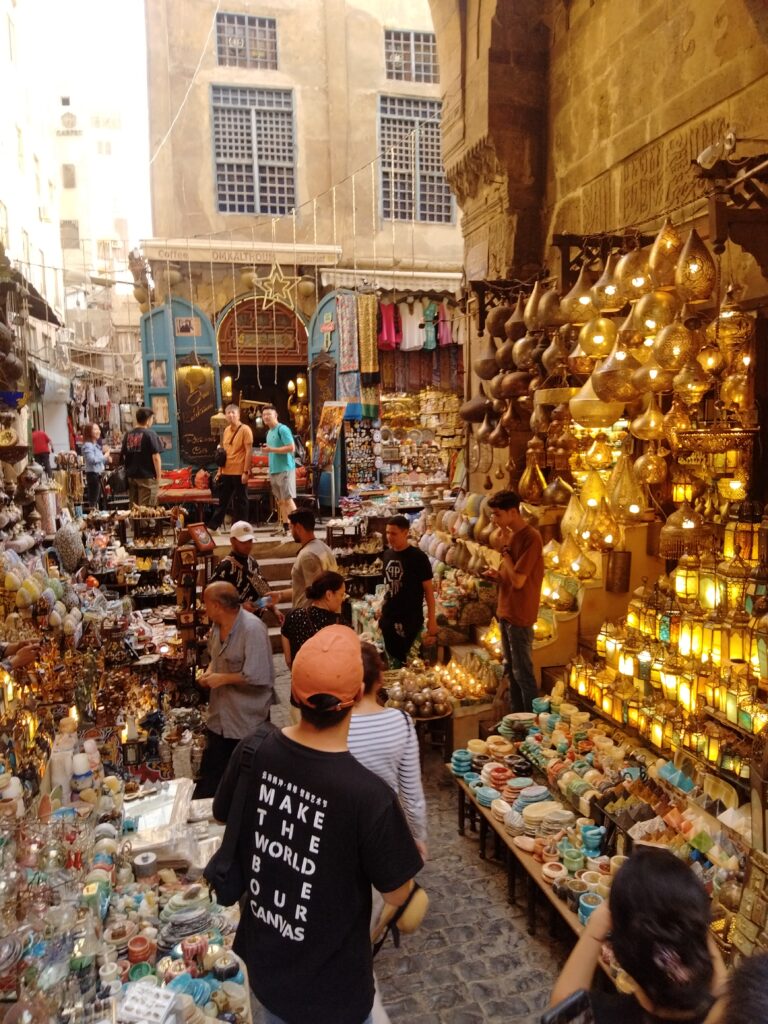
{"x":472,"y":961}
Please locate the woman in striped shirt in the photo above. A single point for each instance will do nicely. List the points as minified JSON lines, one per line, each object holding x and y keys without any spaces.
{"x":385,"y":741}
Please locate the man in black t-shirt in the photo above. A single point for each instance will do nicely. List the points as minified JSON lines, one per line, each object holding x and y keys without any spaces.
{"x":408,"y":576}
{"x":320,"y":831}
{"x":141,"y":458}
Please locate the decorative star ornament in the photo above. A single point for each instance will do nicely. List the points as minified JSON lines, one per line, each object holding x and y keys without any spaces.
{"x":276,"y":287}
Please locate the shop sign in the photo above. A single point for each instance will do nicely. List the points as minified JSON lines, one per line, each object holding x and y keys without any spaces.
{"x":195,"y":404}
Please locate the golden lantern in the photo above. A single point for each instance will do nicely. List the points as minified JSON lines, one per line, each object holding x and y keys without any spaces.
{"x":732,"y":329}
{"x":574,"y":561}
{"x":691,"y":383}
{"x":600,"y":454}
{"x":531,"y":310}
{"x":684,"y":533}
{"x":612,"y":379}
{"x":676,"y":419}
{"x":651,"y":467}
{"x":625,"y":492}
{"x":578,"y":305}
{"x":683,"y":486}
{"x":572,"y":516}
{"x":551,"y":555}
{"x":588,"y":524}
{"x":734,"y":389}
{"x":715,"y":741}
{"x":606,"y":294}
{"x":691,"y":639}
{"x":671,"y":671}
{"x":733,"y":488}
{"x":588,"y":411}
{"x":712,"y":638}
{"x":695,"y":271}
{"x":733,"y":576}
{"x":592,"y":489}
{"x":663,"y":256}
{"x":649,"y":376}
{"x":736,"y":637}
{"x":655,"y":310}
{"x":674,"y":345}
{"x":757,"y":587}
{"x":685,"y":577}
{"x":648,"y":426}
{"x":708,"y":588}
{"x":710,"y":359}
{"x":632,"y":274}
{"x":605,"y":533}
{"x":596,"y":338}
{"x":579,"y":363}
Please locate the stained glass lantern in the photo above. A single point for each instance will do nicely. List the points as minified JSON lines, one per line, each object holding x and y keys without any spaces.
{"x":757,"y":587}
{"x":708,"y":588}
{"x":742,"y":531}
{"x":712,"y":638}
{"x":684,"y":533}
{"x":733,"y":576}
{"x":691,"y":638}
{"x":686,"y":578}
{"x":736,"y":636}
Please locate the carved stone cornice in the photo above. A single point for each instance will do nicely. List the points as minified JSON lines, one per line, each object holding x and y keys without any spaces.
{"x":478,"y":168}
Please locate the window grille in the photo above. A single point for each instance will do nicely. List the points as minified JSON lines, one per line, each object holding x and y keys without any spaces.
{"x":243,"y":41}
{"x":413,"y":183}
{"x":411,"y":56}
{"x":254,"y":150}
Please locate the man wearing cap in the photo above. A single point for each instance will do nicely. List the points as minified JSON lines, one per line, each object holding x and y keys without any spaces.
{"x":321,"y":831}
{"x":240,"y":676}
{"x":242,"y":571}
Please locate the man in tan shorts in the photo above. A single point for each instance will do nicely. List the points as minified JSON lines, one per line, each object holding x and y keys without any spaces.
{"x":233,"y":475}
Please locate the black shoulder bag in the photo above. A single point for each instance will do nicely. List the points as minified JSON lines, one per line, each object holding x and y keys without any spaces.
{"x":223,"y":872}
{"x":220,"y":458}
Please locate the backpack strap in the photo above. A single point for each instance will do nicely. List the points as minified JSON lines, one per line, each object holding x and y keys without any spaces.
{"x":227,"y":850}
{"x":391,"y":925}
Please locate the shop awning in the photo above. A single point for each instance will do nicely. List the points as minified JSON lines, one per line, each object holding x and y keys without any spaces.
{"x":55,"y":387}
{"x":417,"y":281}
{"x":38,"y":307}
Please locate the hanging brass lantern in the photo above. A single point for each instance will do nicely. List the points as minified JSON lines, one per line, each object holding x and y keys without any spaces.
{"x":734,"y":390}
{"x":649,"y":425}
{"x":558,"y":492}
{"x":600,"y":454}
{"x":649,"y":376}
{"x":592,"y":490}
{"x":532,"y":482}
{"x":710,"y":359}
{"x":485,"y":365}
{"x":578,"y":305}
{"x":732,"y":329}
{"x":651,"y":467}
{"x":523,"y":349}
{"x":625,"y":491}
{"x":632,"y":274}
{"x":597,"y":337}
{"x":662,"y":259}
{"x":572,"y":516}
{"x":574,"y":561}
{"x":605,"y":531}
{"x":531,"y":313}
{"x":612,"y":379}
{"x":656,"y":309}
{"x":605,"y":291}
{"x":549,"y":313}
{"x":579,"y":363}
{"x":674,"y":346}
{"x":588,"y":411}
{"x":684,"y":533}
{"x":695,"y":271}
{"x":676,"y":419}
{"x":691,"y":383}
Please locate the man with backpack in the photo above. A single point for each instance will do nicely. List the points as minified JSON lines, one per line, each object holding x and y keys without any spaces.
{"x":280,"y":447}
{"x":234,"y":469}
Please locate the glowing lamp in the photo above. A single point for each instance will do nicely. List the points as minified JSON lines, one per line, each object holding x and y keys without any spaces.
{"x":686,"y":578}
{"x":712,"y":638}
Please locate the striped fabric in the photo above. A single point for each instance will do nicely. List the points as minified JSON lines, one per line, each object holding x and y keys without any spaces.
{"x":386,"y":743}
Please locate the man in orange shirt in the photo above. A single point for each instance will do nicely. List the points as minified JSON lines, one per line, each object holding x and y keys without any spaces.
{"x":233,"y":475}
{"x":519,"y":580}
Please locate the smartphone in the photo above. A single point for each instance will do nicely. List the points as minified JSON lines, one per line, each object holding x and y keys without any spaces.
{"x":576,"y":1009}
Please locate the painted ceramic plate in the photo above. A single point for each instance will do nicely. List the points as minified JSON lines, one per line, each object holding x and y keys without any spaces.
{"x":377,"y":434}
{"x":385,"y":434}
{"x":415,"y":436}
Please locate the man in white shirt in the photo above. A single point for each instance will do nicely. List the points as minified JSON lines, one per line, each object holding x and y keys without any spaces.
{"x":314,"y":558}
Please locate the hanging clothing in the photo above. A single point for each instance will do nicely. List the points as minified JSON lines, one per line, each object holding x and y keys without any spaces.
{"x":430,"y":325}
{"x":346,"y":317}
{"x":411,"y":318}
{"x":390,"y":332}
{"x":459,"y":326}
{"x":367,"y":308}
{"x":444,"y":332}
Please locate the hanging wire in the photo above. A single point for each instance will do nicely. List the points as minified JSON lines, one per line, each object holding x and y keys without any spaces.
{"x":256,"y":321}
{"x":234,"y":309}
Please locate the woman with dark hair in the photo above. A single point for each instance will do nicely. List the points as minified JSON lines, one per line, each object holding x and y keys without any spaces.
{"x":746,"y":1001}
{"x":325,"y":596}
{"x":385,"y":741}
{"x":94,"y":460}
{"x":657,"y":922}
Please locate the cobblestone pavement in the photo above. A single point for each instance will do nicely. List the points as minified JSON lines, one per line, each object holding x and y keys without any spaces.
{"x":472,"y":961}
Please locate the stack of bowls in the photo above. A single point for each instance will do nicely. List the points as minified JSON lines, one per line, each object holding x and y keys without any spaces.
{"x":461,"y":763}
{"x":499,"y":809}
{"x":534,"y":814}
{"x":485,"y":795}
{"x":531,"y":795}
{"x":514,"y":824}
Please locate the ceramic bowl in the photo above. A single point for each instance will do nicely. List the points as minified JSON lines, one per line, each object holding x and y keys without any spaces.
{"x":617,"y":861}
{"x":592,"y":879}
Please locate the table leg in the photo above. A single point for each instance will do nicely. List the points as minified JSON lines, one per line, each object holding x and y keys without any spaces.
{"x":472,"y":818}
{"x":532,"y":891}
{"x":462,"y":810}
{"x":483,"y":836}
{"x":511,"y":877}
{"x":497,"y":850}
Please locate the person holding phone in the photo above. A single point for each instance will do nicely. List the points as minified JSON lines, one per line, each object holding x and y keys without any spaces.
{"x":657,"y":922}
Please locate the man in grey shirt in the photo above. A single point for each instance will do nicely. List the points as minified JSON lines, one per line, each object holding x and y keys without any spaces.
{"x":314,"y":558}
{"x":241,"y":678}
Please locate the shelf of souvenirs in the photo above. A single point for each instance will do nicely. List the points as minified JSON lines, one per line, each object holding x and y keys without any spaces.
{"x":663,"y":721}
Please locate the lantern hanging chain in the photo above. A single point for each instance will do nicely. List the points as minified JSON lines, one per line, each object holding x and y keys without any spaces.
{"x":373,"y":227}
{"x":274,"y":304}
{"x":234,"y":309}
{"x":256,"y":318}
{"x":192,"y":304}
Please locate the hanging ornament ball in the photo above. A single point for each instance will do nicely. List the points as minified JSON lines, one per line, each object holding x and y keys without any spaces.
{"x":306,"y":288}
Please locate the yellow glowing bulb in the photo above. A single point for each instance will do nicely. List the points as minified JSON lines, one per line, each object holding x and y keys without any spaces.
{"x":746,"y":360}
{"x":650,"y":324}
{"x":610,"y":289}
{"x":638,"y":281}
{"x":575,"y":566}
{"x":634,"y":509}
{"x":694,"y":266}
{"x":609,"y":538}
{"x":598,"y":339}
{"x":688,"y":524}
{"x":592,"y":502}
{"x":585,"y":299}
{"x":653,"y":374}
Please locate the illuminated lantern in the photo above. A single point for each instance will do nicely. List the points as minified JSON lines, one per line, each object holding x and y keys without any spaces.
{"x":712,"y":638}
{"x":736,"y":637}
{"x":708,"y":589}
{"x":733,"y":576}
{"x":671,"y":673}
{"x":691,"y":637}
{"x":605,"y":291}
{"x":714,"y":740}
{"x":742,"y":531}
{"x":686,"y":578}
{"x":684,"y":532}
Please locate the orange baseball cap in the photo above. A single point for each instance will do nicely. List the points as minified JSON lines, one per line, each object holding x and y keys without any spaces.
{"x":330,"y":662}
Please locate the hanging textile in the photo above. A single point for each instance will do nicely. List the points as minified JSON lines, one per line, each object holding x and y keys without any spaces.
{"x":346,"y":315}
{"x":444,"y":333}
{"x":430,"y":326}
{"x":367,"y":308}
{"x":410,"y":318}
{"x":387,"y":362}
{"x":389,"y":330}
{"x":371,"y":402}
